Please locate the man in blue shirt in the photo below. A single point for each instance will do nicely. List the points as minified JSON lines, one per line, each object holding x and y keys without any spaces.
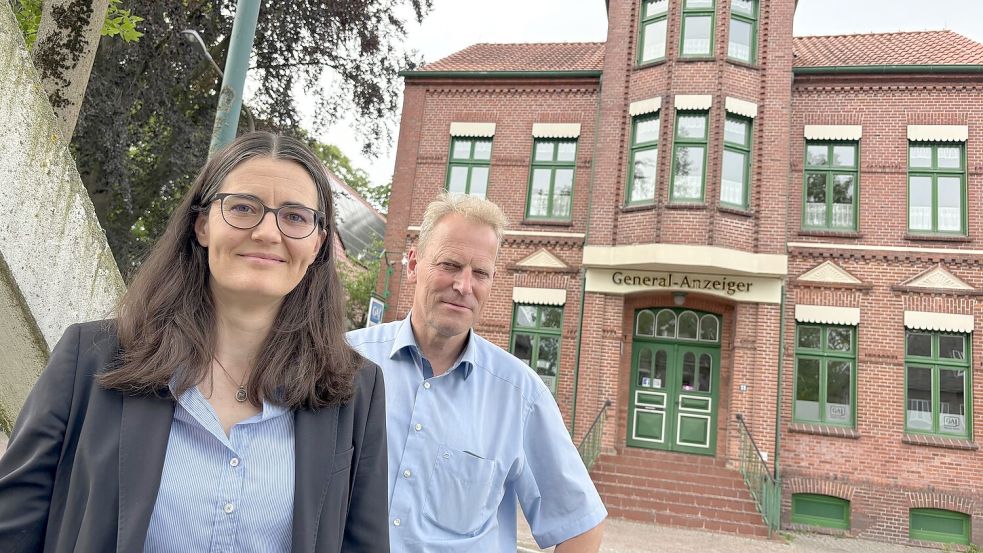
{"x":472,"y":430}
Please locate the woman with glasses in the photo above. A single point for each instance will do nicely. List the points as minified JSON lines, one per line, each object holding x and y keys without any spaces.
{"x":222,"y":410}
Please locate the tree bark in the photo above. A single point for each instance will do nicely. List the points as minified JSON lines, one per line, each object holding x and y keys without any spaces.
{"x":68,"y":36}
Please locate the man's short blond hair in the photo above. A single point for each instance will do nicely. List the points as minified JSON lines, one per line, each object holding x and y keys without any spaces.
{"x":472,"y":208}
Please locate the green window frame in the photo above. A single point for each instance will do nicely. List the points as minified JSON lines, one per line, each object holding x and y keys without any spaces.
{"x":536,"y":337}
{"x":735,"y":174}
{"x":644,"y":159}
{"x":938,"y":383}
{"x":939,"y":525}
{"x":825,"y":374}
{"x":652,"y":31}
{"x":689,"y":157}
{"x":551,"y":179}
{"x":742,"y":38}
{"x":821,"y":510}
{"x":696,"y":38}
{"x":468,"y":166}
{"x":831,"y":185}
{"x":937,"y":188}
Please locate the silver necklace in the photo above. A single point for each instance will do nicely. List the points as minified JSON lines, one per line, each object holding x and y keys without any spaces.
{"x":241,"y":393}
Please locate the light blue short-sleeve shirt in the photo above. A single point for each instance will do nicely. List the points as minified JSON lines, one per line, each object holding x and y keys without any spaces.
{"x":466,"y":447}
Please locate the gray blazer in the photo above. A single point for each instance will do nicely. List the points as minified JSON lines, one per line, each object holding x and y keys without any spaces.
{"x":83,"y":466}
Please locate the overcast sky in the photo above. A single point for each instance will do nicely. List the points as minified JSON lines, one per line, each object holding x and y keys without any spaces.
{"x":455,"y":24}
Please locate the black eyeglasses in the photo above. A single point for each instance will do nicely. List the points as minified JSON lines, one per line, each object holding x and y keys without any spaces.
{"x":245,"y":211}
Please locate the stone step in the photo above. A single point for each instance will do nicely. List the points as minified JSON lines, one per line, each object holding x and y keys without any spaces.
{"x":681,"y":494}
{"x":697,"y":523}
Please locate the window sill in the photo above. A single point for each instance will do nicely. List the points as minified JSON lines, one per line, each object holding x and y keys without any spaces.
{"x":652,"y":63}
{"x":696,"y":58}
{"x":735,"y":211}
{"x":744,"y":64}
{"x":830,"y":233}
{"x":937,"y":237}
{"x":939,"y":441}
{"x":824,"y":430}
{"x":692,"y":206}
{"x":547,"y":222}
{"x":637,"y":207}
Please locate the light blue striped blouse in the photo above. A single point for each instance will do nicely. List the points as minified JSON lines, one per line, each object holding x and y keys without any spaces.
{"x":225,"y":493}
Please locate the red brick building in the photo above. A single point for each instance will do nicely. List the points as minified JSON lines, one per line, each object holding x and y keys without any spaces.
{"x":714,"y":219}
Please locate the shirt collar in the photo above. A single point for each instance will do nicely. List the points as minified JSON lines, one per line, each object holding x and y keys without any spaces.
{"x":405,"y":339}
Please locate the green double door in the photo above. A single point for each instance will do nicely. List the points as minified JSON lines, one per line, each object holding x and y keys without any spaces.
{"x":673,"y":401}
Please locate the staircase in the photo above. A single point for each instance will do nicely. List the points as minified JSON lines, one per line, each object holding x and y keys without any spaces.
{"x":675,"y":489}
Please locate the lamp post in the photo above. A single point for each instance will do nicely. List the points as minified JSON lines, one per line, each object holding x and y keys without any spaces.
{"x":234,"y":78}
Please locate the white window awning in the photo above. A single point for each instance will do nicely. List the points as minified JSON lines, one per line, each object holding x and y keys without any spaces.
{"x":473,"y":129}
{"x":941,"y":322}
{"x":938,"y":133}
{"x":741,"y":107}
{"x":539,"y":296}
{"x":827,"y":314}
{"x":556,"y":130}
{"x":643,"y":107}
{"x":693,"y":101}
{"x":833,"y":132}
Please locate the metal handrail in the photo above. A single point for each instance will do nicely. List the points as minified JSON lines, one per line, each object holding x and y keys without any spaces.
{"x":590,"y":445}
{"x":765,"y":489}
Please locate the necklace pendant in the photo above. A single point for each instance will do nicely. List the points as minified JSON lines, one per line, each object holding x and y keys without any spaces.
{"x":241,"y":395}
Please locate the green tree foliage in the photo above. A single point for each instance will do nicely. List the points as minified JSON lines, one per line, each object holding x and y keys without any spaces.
{"x":359,"y":278}
{"x":119,"y":21}
{"x":358,"y":179}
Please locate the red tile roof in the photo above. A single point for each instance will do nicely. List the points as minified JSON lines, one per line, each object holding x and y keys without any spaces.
{"x":904,"y":48}
{"x":557,"y":56}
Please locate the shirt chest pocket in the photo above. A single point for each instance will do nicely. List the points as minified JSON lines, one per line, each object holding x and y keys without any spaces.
{"x":463,"y":491}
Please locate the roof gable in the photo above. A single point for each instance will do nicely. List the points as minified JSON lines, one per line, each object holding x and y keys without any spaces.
{"x":557,"y":56}
{"x":903,"y":48}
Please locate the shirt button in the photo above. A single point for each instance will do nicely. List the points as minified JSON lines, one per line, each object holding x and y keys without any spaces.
{"x":418,"y":427}
{"x":234,"y":462}
{"x":407,"y":473}
{"x":229,"y":508}
{"x":426,"y":385}
{"x":396,"y":522}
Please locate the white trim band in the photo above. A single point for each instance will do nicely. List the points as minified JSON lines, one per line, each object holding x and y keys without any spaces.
{"x":556,"y":130}
{"x":473,"y":129}
{"x":943,"y":322}
{"x":741,"y":107}
{"x":833,"y":132}
{"x":693,"y":101}
{"x":825,"y":314}
{"x":539,"y":296}
{"x":643,"y":107}
{"x":938,"y":133}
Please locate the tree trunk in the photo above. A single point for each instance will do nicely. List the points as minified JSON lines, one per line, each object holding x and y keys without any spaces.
{"x":63,"y":54}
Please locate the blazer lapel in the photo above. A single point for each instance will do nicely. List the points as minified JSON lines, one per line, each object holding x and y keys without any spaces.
{"x":145,"y":426}
{"x":315,"y":434}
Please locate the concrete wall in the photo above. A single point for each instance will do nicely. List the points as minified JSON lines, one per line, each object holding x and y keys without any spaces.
{"x":56,"y":267}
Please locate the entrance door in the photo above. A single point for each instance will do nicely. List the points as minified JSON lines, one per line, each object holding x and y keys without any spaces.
{"x":675,"y":374}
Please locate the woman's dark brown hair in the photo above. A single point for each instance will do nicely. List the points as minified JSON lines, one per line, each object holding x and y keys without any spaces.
{"x":166,"y":319}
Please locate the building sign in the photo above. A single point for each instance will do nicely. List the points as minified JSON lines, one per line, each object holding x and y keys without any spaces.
{"x":734,"y":287}
{"x":376,"y":309}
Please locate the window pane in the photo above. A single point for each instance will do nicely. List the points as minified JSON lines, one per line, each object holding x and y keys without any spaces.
{"x":807,"y":389}
{"x":950,"y":204}
{"x":952,"y":401}
{"x":920,"y":156}
{"x":479,"y":181}
{"x":562,"y":192}
{"x":525,"y":315}
{"x":566,"y":151}
{"x":549,"y":354}
{"x":843,"y":201}
{"x":544,"y":151}
{"x":646,"y":130}
{"x":952,"y":347}
{"x":482,"y":149}
{"x":540,"y":193}
{"x":919,"y":345}
{"x":522,"y":348}
{"x":689,"y":371}
{"x":950,"y":157}
{"x":838,"y":391}
{"x":839,"y":339}
{"x":661,"y":361}
{"x":665,"y":324}
{"x":654,"y":40}
{"x":735,"y":131}
{"x":743,"y":7}
{"x":699,"y":4}
{"x":644,"y":368}
{"x":709,"y":328}
{"x":844,"y":156}
{"x":643,"y":178}
{"x":920,"y":203}
{"x":732,"y":178}
{"x":552,"y":317}
{"x":815,"y":215}
{"x":459,"y":180}
{"x":696,"y":37}
{"x":920,"y":398}
{"x":462,"y":149}
{"x":739,"y":44}
{"x":646,"y":323}
{"x":817,"y":155}
{"x":688,"y":325}
{"x":704,"y":371}
{"x":810,"y":337}
{"x":656,"y":7}
{"x":692,"y":126}
{"x":688,"y":180}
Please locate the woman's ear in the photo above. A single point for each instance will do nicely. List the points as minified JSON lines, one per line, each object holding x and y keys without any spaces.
{"x":201,"y":228}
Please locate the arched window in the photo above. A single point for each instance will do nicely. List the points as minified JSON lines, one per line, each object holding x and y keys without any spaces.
{"x":645,"y":324}
{"x":665,"y":324}
{"x":709,"y":328}
{"x":688,"y":325}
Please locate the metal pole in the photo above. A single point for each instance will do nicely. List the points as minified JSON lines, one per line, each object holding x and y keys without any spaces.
{"x":234,"y":79}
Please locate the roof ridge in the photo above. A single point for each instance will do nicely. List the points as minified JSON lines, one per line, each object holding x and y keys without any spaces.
{"x":583,"y":42}
{"x":924,"y":31}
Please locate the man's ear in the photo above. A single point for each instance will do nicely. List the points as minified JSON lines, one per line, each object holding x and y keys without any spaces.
{"x":201,"y":228}
{"x":411,"y":265}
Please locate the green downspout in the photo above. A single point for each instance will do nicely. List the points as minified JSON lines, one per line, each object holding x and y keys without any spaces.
{"x":778,"y":396}
{"x":234,"y":79}
{"x":583,"y":272}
